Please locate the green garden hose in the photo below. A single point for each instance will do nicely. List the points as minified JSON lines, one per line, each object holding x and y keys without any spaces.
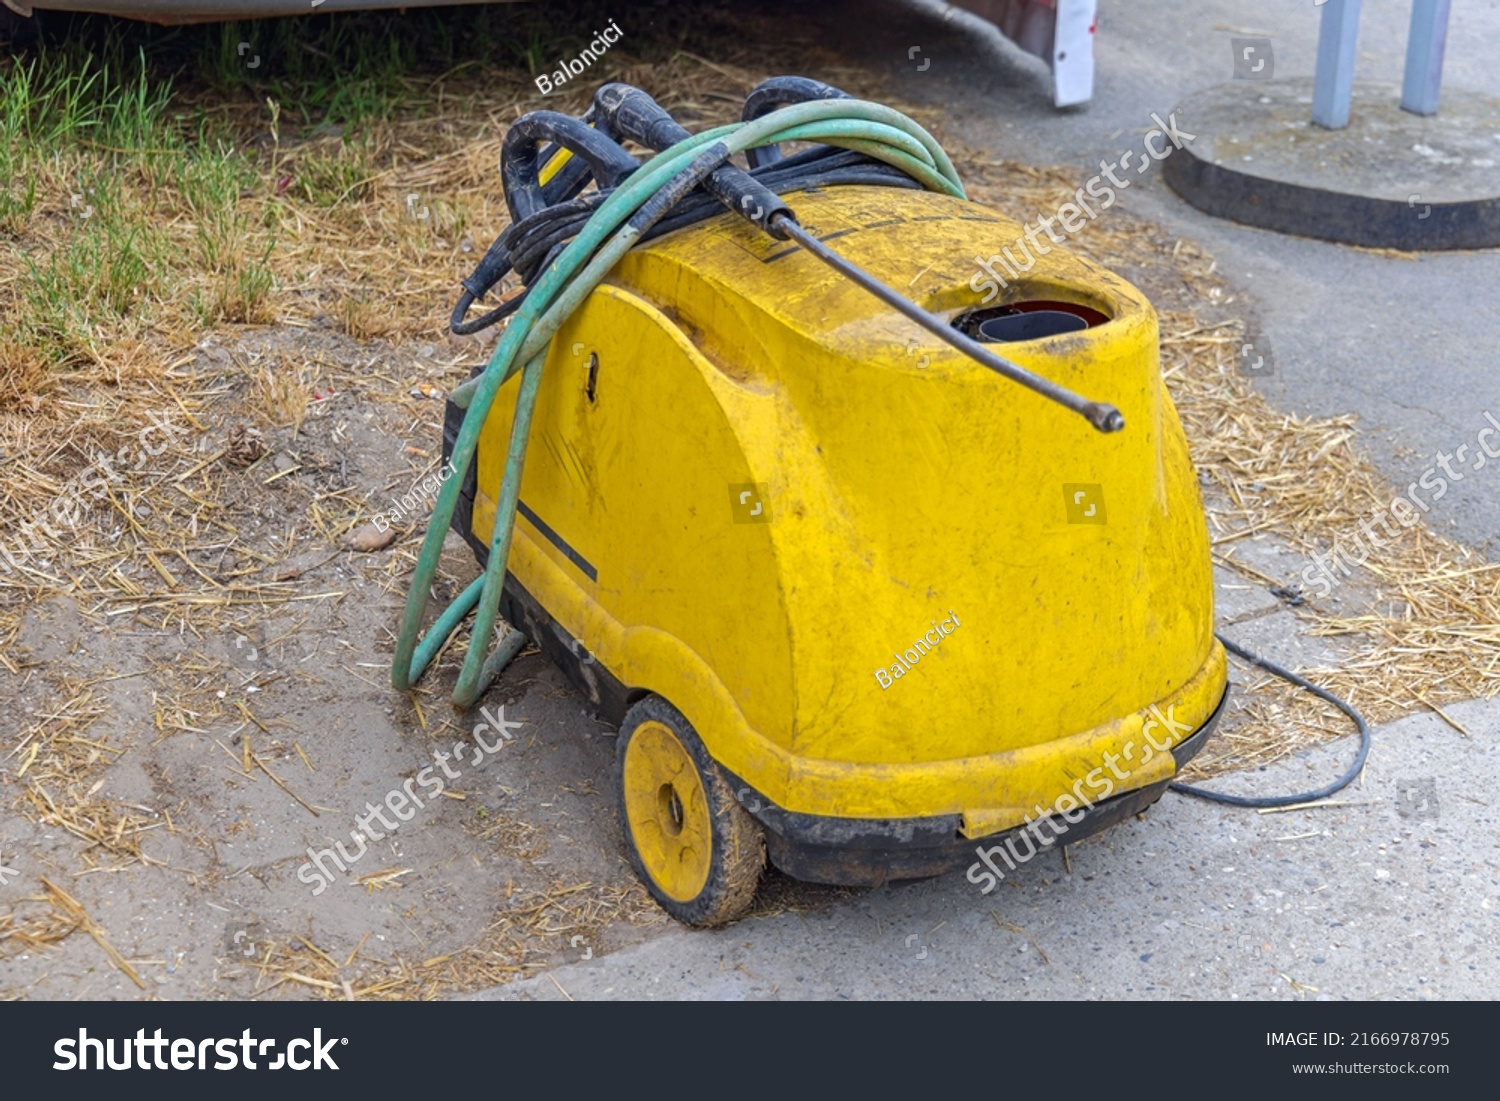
{"x":617,"y":225}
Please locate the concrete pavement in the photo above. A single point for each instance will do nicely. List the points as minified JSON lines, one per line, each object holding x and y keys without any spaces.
{"x":1393,"y":894}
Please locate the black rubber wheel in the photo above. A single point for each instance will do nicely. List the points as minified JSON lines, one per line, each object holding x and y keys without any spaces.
{"x":697,"y":850}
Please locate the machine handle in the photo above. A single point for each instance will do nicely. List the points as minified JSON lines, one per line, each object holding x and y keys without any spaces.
{"x":626,"y":112}
{"x":521,"y":159}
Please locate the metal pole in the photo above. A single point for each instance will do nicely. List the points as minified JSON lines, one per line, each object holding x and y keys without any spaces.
{"x":1334,"y":82}
{"x":1424,"y":56}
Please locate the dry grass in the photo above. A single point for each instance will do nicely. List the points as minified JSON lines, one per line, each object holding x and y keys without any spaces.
{"x":55,"y":759}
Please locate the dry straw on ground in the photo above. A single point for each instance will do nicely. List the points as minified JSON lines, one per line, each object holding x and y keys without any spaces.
{"x":527,"y":929}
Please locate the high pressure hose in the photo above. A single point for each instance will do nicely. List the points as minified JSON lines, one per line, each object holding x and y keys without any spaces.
{"x":545,"y":216}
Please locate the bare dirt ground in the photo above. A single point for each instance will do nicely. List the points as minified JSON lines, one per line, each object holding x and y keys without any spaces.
{"x":219,"y":728}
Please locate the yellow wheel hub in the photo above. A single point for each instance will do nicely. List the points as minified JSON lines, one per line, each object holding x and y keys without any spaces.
{"x":667,"y":809}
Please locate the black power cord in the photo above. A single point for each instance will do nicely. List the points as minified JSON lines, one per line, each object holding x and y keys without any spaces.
{"x":1306,"y":796}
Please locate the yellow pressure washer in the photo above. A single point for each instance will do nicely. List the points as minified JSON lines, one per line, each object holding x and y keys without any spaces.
{"x":855,"y":602}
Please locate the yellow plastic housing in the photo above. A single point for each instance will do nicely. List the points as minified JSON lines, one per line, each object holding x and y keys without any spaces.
{"x":901,"y":485}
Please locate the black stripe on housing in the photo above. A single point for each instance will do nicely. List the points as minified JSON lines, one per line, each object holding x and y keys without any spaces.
{"x":558,"y":541}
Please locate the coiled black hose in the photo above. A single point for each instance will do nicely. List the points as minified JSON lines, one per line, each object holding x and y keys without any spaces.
{"x":548,"y":216}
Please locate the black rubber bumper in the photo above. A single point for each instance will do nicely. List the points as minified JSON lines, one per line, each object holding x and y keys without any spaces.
{"x":863,"y":852}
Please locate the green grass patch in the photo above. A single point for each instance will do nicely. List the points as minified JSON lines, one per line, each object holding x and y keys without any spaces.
{"x":156,"y":181}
